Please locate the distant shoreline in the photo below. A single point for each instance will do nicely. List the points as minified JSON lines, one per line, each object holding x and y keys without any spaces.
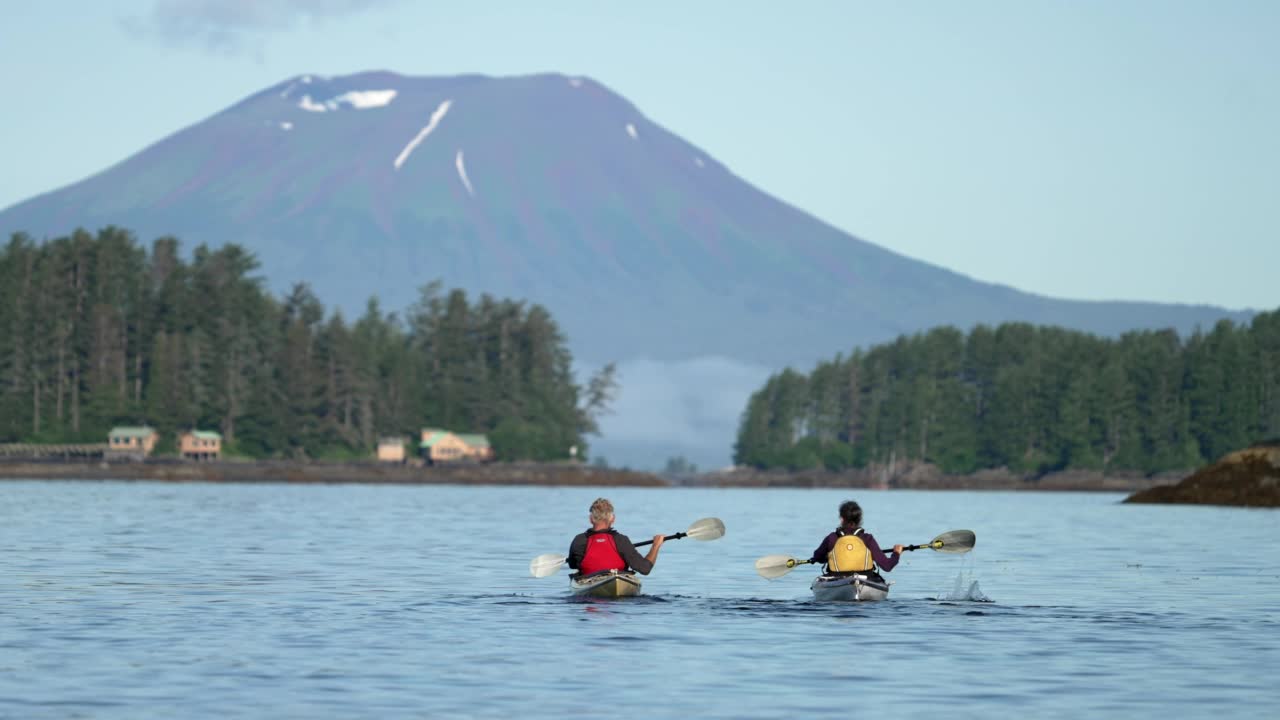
{"x":916,"y":477}
{"x":321,"y":472}
{"x":923,"y":476}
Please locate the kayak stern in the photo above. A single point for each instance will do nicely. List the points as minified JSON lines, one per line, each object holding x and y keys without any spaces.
{"x":605,"y":584}
{"x":848,"y":588}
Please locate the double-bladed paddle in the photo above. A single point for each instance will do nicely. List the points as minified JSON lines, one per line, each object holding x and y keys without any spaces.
{"x":704,"y":529}
{"x":954,"y":541}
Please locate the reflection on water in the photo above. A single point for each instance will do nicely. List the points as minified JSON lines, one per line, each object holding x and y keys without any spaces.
{"x":206,"y":601}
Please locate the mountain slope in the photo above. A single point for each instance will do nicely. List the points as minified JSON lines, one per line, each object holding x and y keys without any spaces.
{"x":543,"y":187}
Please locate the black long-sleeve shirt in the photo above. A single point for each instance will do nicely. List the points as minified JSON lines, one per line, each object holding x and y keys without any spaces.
{"x":631,"y":556}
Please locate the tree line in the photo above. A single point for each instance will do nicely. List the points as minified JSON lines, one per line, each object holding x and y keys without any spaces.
{"x":1032,"y":399}
{"x":97,"y":330}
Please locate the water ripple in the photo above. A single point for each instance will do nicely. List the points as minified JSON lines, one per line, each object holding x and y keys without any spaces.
{"x":206,"y":601}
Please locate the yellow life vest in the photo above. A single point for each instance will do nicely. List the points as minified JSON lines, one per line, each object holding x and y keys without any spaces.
{"x":850,"y":554}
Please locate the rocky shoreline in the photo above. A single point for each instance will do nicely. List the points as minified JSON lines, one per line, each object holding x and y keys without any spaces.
{"x":914,"y":476}
{"x":923,"y":476}
{"x":281,"y":471}
{"x":1246,"y":478}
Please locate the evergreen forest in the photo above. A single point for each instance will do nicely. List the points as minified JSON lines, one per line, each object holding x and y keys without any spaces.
{"x":1028,"y":398}
{"x":97,"y":330}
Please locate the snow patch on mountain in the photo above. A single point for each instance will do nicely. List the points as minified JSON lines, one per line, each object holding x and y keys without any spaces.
{"x":698,"y":161}
{"x":631,"y":130}
{"x":307,"y":104}
{"x":365,"y":99}
{"x":286,"y":126}
{"x":575,"y":82}
{"x":462,"y":173}
{"x":358,"y":99}
{"x":423,"y":133}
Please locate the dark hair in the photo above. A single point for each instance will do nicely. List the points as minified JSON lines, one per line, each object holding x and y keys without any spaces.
{"x":851,"y":513}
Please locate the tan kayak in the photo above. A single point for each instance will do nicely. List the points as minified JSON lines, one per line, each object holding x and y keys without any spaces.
{"x":605,"y":584}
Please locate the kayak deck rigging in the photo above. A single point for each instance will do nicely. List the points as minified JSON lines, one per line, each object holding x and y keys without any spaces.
{"x":605,"y":584}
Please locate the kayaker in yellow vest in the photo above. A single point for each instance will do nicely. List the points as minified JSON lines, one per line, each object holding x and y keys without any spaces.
{"x":603,"y":548}
{"x":850,"y":549}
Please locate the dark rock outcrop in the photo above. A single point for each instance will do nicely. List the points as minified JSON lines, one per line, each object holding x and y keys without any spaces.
{"x":1247,"y":478}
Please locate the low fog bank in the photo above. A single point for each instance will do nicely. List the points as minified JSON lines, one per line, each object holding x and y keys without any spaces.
{"x":688,"y":408}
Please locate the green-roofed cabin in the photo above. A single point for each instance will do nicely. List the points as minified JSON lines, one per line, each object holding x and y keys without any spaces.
{"x":131,"y":442}
{"x":200,"y":445}
{"x":442,"y":446}
{"x":478,"y":447}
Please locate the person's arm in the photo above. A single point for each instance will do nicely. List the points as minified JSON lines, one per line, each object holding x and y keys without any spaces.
{"x":820,"y":555}
{"x":652,"y":557}
{"x":577,"y":549}
{"x":883,"y":561}
{"x":633,"y":558}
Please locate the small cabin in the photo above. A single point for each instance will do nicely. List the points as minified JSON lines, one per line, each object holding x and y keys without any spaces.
{"x":131,"y":442}
{"x":200,"y":445}
{"x":442,"y":446}
{"x":478,"y":448}
{"x":391,"y":450}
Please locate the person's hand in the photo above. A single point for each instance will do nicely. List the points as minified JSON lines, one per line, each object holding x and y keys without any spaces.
{"x":657,"y":541}
{"x":897,"y":549}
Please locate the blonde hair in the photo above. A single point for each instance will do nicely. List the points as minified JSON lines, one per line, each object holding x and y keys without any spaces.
{"x":601,"y":509}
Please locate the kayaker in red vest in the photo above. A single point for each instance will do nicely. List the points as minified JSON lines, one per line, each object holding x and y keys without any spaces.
{"x":603,"y":548}
{"x":850,"y":549}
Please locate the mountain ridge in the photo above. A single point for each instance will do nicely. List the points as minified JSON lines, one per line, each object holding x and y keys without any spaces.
{"x":543,"y":186}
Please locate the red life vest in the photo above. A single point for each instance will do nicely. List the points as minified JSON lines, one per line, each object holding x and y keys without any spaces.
{"x":601,"y":554}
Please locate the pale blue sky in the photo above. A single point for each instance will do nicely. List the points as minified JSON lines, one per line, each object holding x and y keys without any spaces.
{"x":1080,"y":149}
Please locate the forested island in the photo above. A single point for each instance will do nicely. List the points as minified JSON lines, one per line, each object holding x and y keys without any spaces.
{"x":97,"y":330}
{"x":1028,"y":400}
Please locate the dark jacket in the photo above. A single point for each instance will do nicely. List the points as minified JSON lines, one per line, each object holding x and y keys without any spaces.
{"x":631,"y":556}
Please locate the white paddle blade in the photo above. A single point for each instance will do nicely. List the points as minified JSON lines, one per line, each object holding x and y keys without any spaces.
{"x":772,"y":567}
{"x":545,"y":565}
{"x":955,"y":541}
{"x":706,"y":529}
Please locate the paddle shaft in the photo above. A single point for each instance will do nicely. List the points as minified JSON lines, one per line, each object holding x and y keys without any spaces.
{"x":665,"y":538}
{"x":955,"y":541}
{"x":890,"y":551}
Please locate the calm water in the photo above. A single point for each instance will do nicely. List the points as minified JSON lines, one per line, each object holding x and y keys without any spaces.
{"x":123,"y":600}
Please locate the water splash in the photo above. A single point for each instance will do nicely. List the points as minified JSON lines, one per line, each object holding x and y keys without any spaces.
{"x":965,"y":590}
